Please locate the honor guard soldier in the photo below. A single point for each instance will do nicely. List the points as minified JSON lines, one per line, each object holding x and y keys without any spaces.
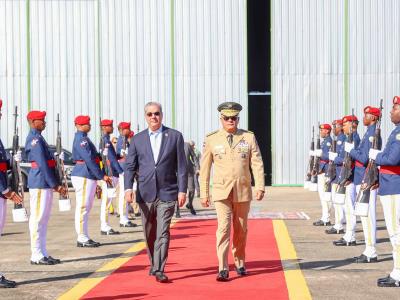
{"x":389,"y":191}
{"x":42,"y":180}
{"x":122,"y":150}
{"x":5,"y":193}
{"x":323,"y":153}
{"x":339,"y":209}
{"x":233,"y":152}
{"x":350,"y":197}
{"x":113,"y":166}
{"x":360,"y":155}
{"x":84,"y":179}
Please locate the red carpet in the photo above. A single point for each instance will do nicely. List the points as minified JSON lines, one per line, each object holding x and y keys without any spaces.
{"x":192,"y":268}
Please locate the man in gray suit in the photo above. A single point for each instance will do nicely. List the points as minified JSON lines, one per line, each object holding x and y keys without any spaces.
{"x":157,"y":155}
{"x":193,"y":170}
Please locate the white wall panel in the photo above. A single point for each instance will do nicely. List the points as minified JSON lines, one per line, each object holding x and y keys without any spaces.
{"x":109,"y":57}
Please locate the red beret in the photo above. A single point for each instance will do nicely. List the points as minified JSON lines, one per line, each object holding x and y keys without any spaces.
{"x":337,"y":122}
{"x":125,"y":125}
{"x":396,"y":100}
{"x":106,"y":122}
{"x":325,"y":126}
{"x":36,"y":115}
{"x":372,"y":110}
{"x":1,"y":103}
{"x":82,"y":120}
{"x":349,"y":118}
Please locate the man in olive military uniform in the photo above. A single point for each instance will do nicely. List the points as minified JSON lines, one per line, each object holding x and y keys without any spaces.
{"x":233,"y":151}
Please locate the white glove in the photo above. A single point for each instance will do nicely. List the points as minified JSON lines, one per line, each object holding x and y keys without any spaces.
{"x":373,"y":153}
{"x":348,"y":147}
{"x":61,"y":155}
{"x":105,"y":151}
{"x":332,"y":155}
{"x":311,"y":153}
{"x":318,"y":152}
{"x":124,"y":152}
{"x":18,"y":156}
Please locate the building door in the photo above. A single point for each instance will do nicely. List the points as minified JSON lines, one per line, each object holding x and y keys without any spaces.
{"x":259,"y":78}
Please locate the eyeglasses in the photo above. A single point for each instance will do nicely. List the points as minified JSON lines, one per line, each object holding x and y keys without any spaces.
{"x":149,"y":114}
{"x":234,"y":118}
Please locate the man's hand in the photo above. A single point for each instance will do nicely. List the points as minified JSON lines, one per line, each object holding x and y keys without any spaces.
{"x":348,"y":147}
{"x":332,"y":155}
{"x":129,"y":196}
{"x":17,"y":199}
{"x":18,"y":156}
{"x":98,"y":191}
{"x":205,"y":202}
{"x":260,"y":195}
{"x":318,"y":152}
{"x":181,"y":199}
{"x":107,"y":179}
{"x":62,"y":190}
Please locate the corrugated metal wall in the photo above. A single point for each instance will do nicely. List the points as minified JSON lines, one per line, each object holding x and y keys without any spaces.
{"x":328,"y":57}
{"x":108,"y":58}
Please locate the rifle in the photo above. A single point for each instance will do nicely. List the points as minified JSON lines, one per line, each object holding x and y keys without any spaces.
{"x":106,"y":167}
{"x":331,"y":173}
{"x":315,"y":169}
{"x":371,"y":175}
{"x":64,"y":202}
{"x":347,"y":169}
{"x":17,"y":183}
{"x":310,"y":162}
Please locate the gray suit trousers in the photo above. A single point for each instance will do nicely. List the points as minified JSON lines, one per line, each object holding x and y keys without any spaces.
{"x":156,"y":220}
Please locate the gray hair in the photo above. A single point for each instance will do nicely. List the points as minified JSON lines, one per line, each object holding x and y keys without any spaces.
{"x":152,"y":103}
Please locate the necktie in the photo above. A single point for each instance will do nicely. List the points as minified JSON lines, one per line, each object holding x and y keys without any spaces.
{"x":230,"y":139}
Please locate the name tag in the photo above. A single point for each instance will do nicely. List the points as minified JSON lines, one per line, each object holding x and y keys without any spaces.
{"x":219,"y":149}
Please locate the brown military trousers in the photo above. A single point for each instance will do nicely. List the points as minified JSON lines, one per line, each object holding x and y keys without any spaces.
{"x":229,"y":211}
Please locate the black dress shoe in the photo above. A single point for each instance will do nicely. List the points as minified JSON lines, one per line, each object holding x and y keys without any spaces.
{"x":322,"y":223}
{"x":343,"y":242}
{"x":55,"y":260}
{"x":109,"y":232}
{"x":332,"y":230}
{"x":152,"y":273}
{"x":192,"y":211}
{"x":388,"y":282}
{"x":89,"y":244}
{"x":177,"y":215}
{"x":5,"y":283}
{"x":363,"y":259}
{"x":161,"y":277}
{"x":241,"y":271}
{"x":43,"y":261}
{"x":129,"y":224}
{"x":223,"y":275}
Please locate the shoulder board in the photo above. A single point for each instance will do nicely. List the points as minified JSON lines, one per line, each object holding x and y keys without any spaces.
{"x":211,"y":133}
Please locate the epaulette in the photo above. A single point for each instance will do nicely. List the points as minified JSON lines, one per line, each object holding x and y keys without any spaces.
{"x":211,"y":133}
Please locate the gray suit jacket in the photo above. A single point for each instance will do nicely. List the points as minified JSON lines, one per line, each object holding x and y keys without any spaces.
{"x":191,"y":159}
{"x":163,"y":179}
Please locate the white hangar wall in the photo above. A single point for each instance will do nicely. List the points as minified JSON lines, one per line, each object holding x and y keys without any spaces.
{"x":108,"y":58}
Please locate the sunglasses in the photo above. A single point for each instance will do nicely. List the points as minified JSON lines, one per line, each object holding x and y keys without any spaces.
{"x":157,"y":113}
{"x":234,"y":118}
